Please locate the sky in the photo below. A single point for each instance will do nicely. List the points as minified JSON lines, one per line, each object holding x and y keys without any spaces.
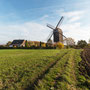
{"x":27,"y":19}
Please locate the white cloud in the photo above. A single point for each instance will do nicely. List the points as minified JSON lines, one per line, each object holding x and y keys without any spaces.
{"x":72,"y":16}
{"x":76,"y":31}
{"x":72,"y":13}
{"x":44,"y":17}
{"x":28,"y":30}
{"x":74,"y":19}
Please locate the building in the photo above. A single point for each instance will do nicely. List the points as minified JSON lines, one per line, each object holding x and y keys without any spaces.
{"x":58,"y":35}
{"x":17,"y":43}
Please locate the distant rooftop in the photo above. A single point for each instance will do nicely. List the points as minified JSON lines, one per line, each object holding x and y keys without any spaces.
{"x":17,"y":42}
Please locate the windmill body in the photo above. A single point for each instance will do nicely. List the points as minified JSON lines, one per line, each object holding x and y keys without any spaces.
{"x":57,"y":34}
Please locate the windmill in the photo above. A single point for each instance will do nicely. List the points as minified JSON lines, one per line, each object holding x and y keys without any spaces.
{"x":56,"y":33}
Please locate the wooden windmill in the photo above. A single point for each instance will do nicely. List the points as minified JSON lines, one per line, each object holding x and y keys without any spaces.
{"x":56,"y":33}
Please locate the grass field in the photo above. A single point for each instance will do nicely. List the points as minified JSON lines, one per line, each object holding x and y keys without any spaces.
{"x":40,"y":70}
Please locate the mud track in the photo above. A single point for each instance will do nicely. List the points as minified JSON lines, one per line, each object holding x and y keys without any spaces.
{"x":85,"y":55}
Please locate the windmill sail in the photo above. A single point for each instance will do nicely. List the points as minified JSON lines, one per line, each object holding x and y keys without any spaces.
{"x":50,"y":26}
{"x":50,"y":35}
{"x":60,"y":21}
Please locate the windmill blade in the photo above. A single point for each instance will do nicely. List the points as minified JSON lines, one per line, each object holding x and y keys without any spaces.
{"x":50,"y":26}
{"x":60,"y":21}
{"x":50,"y":35}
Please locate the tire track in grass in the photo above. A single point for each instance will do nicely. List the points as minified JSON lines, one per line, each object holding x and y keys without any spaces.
{"x":67,"y":81}
{"x":72,"y":86}
{"x":48,"y":81}
{"x":40,"y":77}
{"x":61,"y":77}
{"x":73,"y":75}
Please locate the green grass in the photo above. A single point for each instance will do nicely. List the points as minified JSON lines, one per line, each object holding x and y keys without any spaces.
{"x":19,"y":68}
{"x":60,"y":75}
{"x":65,"y":74}
{"x":51,"y":69}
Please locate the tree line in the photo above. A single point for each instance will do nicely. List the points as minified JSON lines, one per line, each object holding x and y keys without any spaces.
{"x":42,"y":45}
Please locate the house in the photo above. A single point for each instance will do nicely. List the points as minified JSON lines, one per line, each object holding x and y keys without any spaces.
{"x":17,"y":43}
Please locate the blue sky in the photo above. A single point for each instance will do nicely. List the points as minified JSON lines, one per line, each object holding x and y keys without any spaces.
{"x":27,"y":19}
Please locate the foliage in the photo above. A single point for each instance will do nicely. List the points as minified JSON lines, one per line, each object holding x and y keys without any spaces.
{"x":70,"y":41}
{"x":43,"y":45}
{"x":40,"y":44}
{"x":82,"y":43}
{"x":89,"y":41}
{"x":60,"y":45}
{"x":8,"y":43}
{"x":26,"y":43}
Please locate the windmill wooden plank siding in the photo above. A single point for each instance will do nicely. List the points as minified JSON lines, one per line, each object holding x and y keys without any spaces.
{"x":58,"y":35}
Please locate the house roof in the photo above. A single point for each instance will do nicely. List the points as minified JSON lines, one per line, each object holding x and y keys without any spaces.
{"x":17,"y":42}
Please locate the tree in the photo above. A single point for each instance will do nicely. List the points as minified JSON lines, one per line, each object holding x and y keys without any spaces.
{"x":82,"y":43}
{"x":9,"y":42}
{"x":46,"y":45}
{"x":69,"y":41}
{"x":60,"y":45}
{"x":26,"y":43}
{"x":49,"y":41}
{"x":89,"y":41}
{"x":43,"y":45}
{"x":40,"y":44}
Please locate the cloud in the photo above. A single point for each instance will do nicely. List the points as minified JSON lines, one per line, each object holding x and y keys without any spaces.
{"x":27,"y":30}
{"x":72,"y":16}
{"x":44,"y":17}
{"x":74,"y":19}
{"x":76,"y":31}
{"x":73,"y":13}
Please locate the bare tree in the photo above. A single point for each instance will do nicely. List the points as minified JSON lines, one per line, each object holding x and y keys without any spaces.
{"x":89,"y":41}
{"x":69,"y":41}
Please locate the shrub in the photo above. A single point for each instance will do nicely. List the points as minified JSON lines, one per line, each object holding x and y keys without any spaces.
{"x":60,"y":45}
{"x":43,"y":45}
{"x":26,"y":44}
{"x":82,"y":43}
